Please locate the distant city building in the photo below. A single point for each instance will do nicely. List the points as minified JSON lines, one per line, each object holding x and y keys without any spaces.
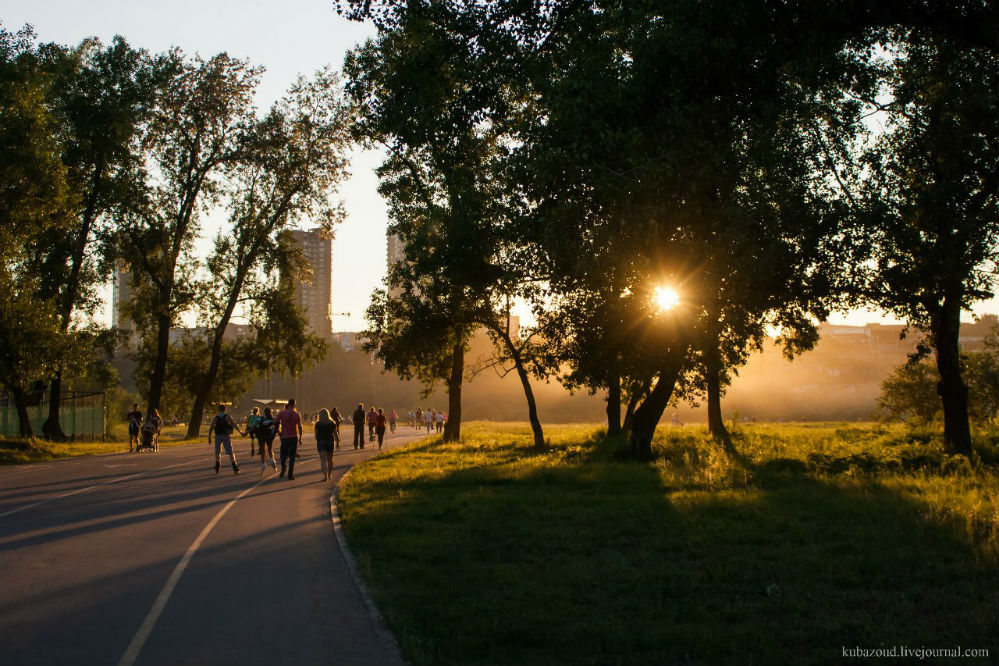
{"x":973,"y":335}
{"x":514,"y":327}
{"x":883,"y":336}
{"x":395,"y":250}
{"x":349,"y":340}
{"x":121,"y":292}
{"x":316,"y":299}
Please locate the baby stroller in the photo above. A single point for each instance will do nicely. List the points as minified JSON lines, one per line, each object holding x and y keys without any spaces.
{"x":149,"y":437}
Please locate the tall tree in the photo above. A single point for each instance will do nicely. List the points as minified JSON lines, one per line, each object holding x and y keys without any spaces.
{"x":102,"y":95}
{"x":414,"y":340}
{"x":292,"y":160}
{"x":417,"y":88}
{"x":654,"y":162}
{"x":931,"y":195}
{"x":193,"y":140}
{"x":35,"y":202}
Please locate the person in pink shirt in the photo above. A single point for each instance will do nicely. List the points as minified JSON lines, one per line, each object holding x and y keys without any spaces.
{"x":290,"y":422}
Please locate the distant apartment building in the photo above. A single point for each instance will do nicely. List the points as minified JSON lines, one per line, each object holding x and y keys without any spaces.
{"x":886,"y":337}
{"x":395,"y":250}
{"x":121,"y":292}
{"x":316,"y":298}
{"x":349,"y":340}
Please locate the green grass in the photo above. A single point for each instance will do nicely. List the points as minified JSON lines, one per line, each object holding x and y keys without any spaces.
{"x":20,"y":451}
{"x":814,"y":538}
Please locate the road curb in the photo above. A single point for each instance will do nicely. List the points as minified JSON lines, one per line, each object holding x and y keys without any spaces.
{"x":376,"y":617}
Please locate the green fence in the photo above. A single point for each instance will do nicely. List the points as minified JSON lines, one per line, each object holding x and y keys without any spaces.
{"x":81,"y":415}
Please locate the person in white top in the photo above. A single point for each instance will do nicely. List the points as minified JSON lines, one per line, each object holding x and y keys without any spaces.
{"x":440,"y":421}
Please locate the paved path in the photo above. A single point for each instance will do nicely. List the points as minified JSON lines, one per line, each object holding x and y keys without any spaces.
{"x":152,"y":559}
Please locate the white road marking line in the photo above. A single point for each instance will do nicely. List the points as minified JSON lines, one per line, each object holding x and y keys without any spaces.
{"x":83,"y":490}
{"x":146,"y":628}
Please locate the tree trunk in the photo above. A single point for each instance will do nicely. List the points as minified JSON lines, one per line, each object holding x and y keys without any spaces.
{"x":52,"y":428}
{"x":159,"y":365}
{"x":637,"y":391}
{"x":651,"y":410}
{"x":712,"y":364}
{"x":532,"y":408}
{"x":614,"y":405}
{"x":951,"y":387}
{"x":525,"y":381}
{"x":452,"y":426}
{"x":21,"y":405}
{"x":205,"y":388}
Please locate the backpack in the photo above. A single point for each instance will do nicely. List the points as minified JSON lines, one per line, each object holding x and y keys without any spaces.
{"x":266,"y":428}
{"x":222,"y":426}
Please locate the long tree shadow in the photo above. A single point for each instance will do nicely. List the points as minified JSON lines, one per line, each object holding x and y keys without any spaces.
{"x":598,"y":561}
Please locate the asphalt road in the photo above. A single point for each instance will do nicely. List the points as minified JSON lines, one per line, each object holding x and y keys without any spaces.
{"x":153,"y":559}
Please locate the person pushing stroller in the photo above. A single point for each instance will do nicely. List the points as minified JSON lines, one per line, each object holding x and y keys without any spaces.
{"x":150,"y":434}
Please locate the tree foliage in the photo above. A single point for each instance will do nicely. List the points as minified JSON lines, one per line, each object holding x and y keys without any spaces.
{"x":36,"y":201}
{"x":910,"y":392}
{"x":421,"y":96}
{"x":932,"y":195}
{"x":291,"y":161}
{"x":191,"y":143}
{"x":645,"y":144}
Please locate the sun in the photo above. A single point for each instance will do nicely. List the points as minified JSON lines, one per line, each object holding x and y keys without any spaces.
{"x":666,"y":298}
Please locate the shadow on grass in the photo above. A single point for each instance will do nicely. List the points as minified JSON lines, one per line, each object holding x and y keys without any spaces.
{"x":594,"y":560}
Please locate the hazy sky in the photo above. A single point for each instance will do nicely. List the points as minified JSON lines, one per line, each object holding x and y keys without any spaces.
{"x":288,"y":37}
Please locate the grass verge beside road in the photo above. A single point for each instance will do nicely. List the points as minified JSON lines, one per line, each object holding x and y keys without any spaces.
{"x":817,"y":537}
{"x":20,"y":451}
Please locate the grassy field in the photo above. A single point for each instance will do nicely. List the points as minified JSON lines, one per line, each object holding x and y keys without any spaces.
{"x":18,"y":451}
{"x":810,"y":539}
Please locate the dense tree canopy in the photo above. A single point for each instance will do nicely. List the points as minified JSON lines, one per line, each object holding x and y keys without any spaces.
{"x":36,"y":203}
{"x":721,"y":151}
{"x":191,"y":142}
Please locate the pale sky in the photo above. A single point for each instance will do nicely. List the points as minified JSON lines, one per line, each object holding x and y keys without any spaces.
{"x":289,"y":38}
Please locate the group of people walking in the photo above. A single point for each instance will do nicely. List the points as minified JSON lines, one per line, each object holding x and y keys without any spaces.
{"x":263,"y":429}
{"x":377,"y":421}
{"x":430,"y":419}
{"x":286,"y":426}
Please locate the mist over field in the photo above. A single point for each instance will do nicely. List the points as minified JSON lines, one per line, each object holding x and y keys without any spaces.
{"x":839,"y":380}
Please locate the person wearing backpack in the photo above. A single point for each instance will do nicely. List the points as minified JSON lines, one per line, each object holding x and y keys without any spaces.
{"x":223,"y":425}
{"x":372,"y":417}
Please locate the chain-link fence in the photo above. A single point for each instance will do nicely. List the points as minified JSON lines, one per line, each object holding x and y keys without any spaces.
{"x":81,"y":414}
